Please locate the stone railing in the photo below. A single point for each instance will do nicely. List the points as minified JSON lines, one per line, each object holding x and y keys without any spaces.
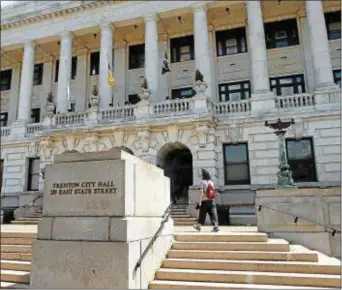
{"x":69,"y":119}
{"x":126,"y":112}
{"x":233,"y":107}
{"x":295,"y":101}
{"x":33,"y":128}
{"x":5,"y":131}
{"x":172,"y":107}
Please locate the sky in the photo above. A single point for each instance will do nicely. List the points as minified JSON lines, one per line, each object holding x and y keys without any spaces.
{"x":5,"y":3}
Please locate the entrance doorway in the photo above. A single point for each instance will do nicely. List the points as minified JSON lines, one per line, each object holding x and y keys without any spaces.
{"x":176,"y":161}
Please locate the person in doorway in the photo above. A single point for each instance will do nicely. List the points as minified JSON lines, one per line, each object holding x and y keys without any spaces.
{"x":207,"y":202}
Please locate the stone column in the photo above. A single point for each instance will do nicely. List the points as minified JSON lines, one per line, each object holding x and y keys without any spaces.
{"x":201,"y":42}
{"x":262,"y":97}
{"x":81,"y":81}
{"x":152,"y":66}
{"x":64,"y":72}
{"x":106,"y":58}
{"x":14,"y":94}
{"x":319,"y":46}
{"x":26,"y":85}
{"x":120,"y":69}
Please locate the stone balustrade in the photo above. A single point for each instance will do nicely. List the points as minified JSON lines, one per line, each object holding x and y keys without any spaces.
{"x":172,"y":107}
{"x":68,"y":119}
{"x":5,"y":131}
{"x":294,"y":101}
{"x":125,"y":113}
{"x":31,"y":129}
{"x":233,"y":107}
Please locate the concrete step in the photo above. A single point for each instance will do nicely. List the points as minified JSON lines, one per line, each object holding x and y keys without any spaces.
{"x":267,"y":278}
{"x":243,"y":255}
{"x":160,"y":284}
{"x":29,"y":219}
{"x":15,"y":276}
{"x":21,"y":235}
{"x":258,"y":266}
{"x":11,"y":285}
{"x":221,"y":237}
{"x":184,"y":222}
{"x":19,"y":222}
{"x":16,"y":241}
{"x":193,"y":220}
{"x":15,"y":265}
{"x":16,"y":256}
{"x":180,"y":215}
{"x":274,"y":245}
{"x":15,"y":249}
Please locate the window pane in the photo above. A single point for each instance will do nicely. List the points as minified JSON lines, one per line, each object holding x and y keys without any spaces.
{"x":237,"y":172}
{"x":235,"y":96}
{"x":34,"y":182}
{"x":222,"y":88}
{"x":35,"y":164}
{"x":235,"y":153}
{"x":184,"y":49}
{"x":286,"y":81}
{"x":234,"y":87}
{"x":299,"y":150}
{"x":231,"y":49}
{"x":285,"y":91}
{"x":303,"y":170}
{"x":185,"y":57}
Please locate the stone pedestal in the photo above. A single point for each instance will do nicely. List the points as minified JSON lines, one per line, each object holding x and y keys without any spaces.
{"x":201,"y":104}
{"x":142,"y":110}
{"x":92,"y":117}
{"x":18,"y":129}
{"x":100,"y":211}
{"x":263,"y":103}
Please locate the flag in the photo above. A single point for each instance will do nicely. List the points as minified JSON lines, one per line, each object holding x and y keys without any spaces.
{"x":165,"y":64}
{"x":110,"y":78}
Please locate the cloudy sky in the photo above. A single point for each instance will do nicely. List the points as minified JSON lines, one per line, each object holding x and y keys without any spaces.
{"x":5,"y":3}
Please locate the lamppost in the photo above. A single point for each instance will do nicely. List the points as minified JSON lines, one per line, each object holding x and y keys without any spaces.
{"x":284,"y":174}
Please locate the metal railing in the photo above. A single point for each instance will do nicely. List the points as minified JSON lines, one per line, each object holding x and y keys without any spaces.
{"x":297,"y":217}
{"x":165,"y":218}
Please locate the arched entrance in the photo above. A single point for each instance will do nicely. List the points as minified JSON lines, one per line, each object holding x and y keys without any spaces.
{"x":123,"y":148}
{"x":176,"y":160}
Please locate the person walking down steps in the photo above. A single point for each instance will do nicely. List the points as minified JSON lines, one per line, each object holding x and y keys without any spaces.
{"x":207,"y":202}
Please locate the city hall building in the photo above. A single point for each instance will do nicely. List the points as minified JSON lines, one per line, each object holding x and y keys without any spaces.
{"x":90,"y":76}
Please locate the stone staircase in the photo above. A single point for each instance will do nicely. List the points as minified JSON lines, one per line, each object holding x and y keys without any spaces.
{"x":180,"y":216}
{"x":16,"y":259}
{"x":244,"y":260}
{"x":31,"y":219}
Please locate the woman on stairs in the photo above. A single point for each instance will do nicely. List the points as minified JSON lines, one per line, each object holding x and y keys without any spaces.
{"x":207,"y":202}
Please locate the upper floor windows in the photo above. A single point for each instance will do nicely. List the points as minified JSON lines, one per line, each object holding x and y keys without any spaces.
{"x":333,"y":23}
{"x":133,"y":99}
{"x":3,"y":119}
{"x":73,"y":68}
{"x":234,"y":91}
{"x":33,"y":174}
{"x":35,"y":115}
{"x":231,"y":41}
{"x":94,"y":63}
{"x":281,"y":34}
{"x":182,"y":49}
{"x":5,"y":80}
{"x":337,"y":77}
{"x":38,"y":74}
{"x":182,"y":93}
{"x":289,"y":85}
{"x":137,"y":56}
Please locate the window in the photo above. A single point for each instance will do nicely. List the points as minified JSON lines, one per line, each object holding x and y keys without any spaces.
{"x":73,"y":68}
{"x":35,"y":115}
{"x":4,"y":119}
{"x":5,"y":80}
{"x":182,"y":93}
{"x":301,"y":160}
{"x":231,"y":41}
{"x":72,"y":107}
{"x":38,"y":74}
{"x":33,"y":174}
{"x":337,"y":76}
{"x":1,"y":172}
{"x":234,"y":91}
{"x":236,"y":164}
{"x":94,"y":63}
{"x":182,"y":49}
{"x":133,"y":99}
{"x":333,"y":23}
{"x":137,"y":56}
{"x":281,"y":34}
{"x":289,"y":85}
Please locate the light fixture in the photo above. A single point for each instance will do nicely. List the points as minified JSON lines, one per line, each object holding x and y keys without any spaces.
{"x":228,"y":10}
{"x":279,"y":1}
{"x":135,"y":26}
{"x":95,"y":35}
{"x":58,"y":42}
{"x":179,"y":19}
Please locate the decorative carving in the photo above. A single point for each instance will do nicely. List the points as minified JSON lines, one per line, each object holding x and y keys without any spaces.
{"x":91,"y":143}
{"x":144,"y":139}
{"x":299,"y":129}
{"x":33,"y":149}
{"x":45,"y":148}
{"x":94,"y":99}
{"x":144,"y":91}
{"x":50,"y":104}
{"x":200,"y":85}
{"x":234,"y":133}
{"x":202,"y":134}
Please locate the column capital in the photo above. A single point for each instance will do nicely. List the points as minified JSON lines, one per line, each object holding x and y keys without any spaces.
{"x":199,"y":7}
{"x":106,"y":25}
{"x":65,"y":34}
{"x":151,"y":17}
{"x":29,"y":43}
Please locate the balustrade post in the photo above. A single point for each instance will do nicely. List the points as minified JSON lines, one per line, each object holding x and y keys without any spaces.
{"x":91,"y":117}
{"x":142,"y":110}
{"x":47,"y":121}
{"x":201,"y":105}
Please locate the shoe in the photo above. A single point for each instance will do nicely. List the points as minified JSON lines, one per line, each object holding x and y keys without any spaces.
{"x":215,"y":230}
{"x":197,"y":227}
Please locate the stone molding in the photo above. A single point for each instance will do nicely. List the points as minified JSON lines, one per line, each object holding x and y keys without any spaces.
{"x":151,"y":17}
{"x":29,"y":43}
{"x":66,"y":35}
{"x":202,"y":134}
{"x":199,"y":7}
{"x":144,"y":136}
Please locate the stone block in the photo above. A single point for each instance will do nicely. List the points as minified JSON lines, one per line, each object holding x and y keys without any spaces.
{"x":333,"y":132}
{"x":14,"y":156}
{"x":334,"y":213}
{"x":206,"y":155}
{"x":335,"y":244}
{"x":12,"y":181}
{"x":265,"y":137}
{"x":45,"y":228}
{"x":266,"y":170}
{"x":328,"y":141}
{"x":264,"y":154}
{"x":333,"y":166}
{"x":264,"y":162}
{"x":13,"y":169}
{"x":334,"y":149}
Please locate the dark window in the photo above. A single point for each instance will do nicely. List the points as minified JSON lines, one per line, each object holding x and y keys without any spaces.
{"x":282,"y":33}
{"x":73,"y":68}
{"x":72,"y":107}
{"x":133,"y":99}
{"x":4,"y":119}
{"x":236,"y":164}
{"x":333,"y":23}
{"x":1,"y":172}
{"x":289,"y":85}
{"x":231,"y":41}
{"x":182,"y":93}
{"x":337,"y":76}
{"x":35,"y":115}
{"x":94,"y":63}
{"x":5,"y":80}
{"x":137,"y":56}
{"x":182,"y":49}
{"x":234,"y":91}
{"x":38,"y":74}
{"x":33,"y":174}
{"x":301,"y":159}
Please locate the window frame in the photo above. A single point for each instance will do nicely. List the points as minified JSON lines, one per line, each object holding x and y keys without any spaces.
{"x":312,"y":158}
{"x":332,"y":17}
{"x":337,"y":80}
{"x":94,"y":57}
{"x":38,"y":72}
{"x":223,"y":35}
{"x":272,"y":28}
{"x":8,"y":84}
{"x":30,"y":185}
{"x":5,"y":119}
{"x":242,"y":90}
{"x":2,"y":164}
{"x":225,"y":165}
{"x":179,"y":90}
{"x":35,"y":115}
{"x":295,"y":84}
{"x":176,"y":44}
{"x":133,"y":99}
{"x":135,"y":52}
{"x":73,"y":68}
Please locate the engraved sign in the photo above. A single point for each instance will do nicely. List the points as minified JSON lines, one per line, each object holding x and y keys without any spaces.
{"x":84,"y":187}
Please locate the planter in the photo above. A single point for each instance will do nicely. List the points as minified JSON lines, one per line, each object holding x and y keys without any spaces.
{"x":200,"y":87}
{"x":94,"y":102}
{"x":144,"y":94}
{"x":50,"y":107}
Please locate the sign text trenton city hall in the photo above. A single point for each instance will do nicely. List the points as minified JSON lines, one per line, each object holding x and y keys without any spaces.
{"x":85,"y":187}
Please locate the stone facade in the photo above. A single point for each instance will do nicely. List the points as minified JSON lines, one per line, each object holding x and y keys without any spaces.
{"x":32,"y":33}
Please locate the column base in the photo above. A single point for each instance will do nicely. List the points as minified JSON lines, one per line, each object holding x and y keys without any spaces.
{"x":18,"y":129}
{"x":92,"y":117}
{"x":263,"y":102}
{"x":201,"y":104}
{"x":327,"y":94}
{"x":142,"y":110}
